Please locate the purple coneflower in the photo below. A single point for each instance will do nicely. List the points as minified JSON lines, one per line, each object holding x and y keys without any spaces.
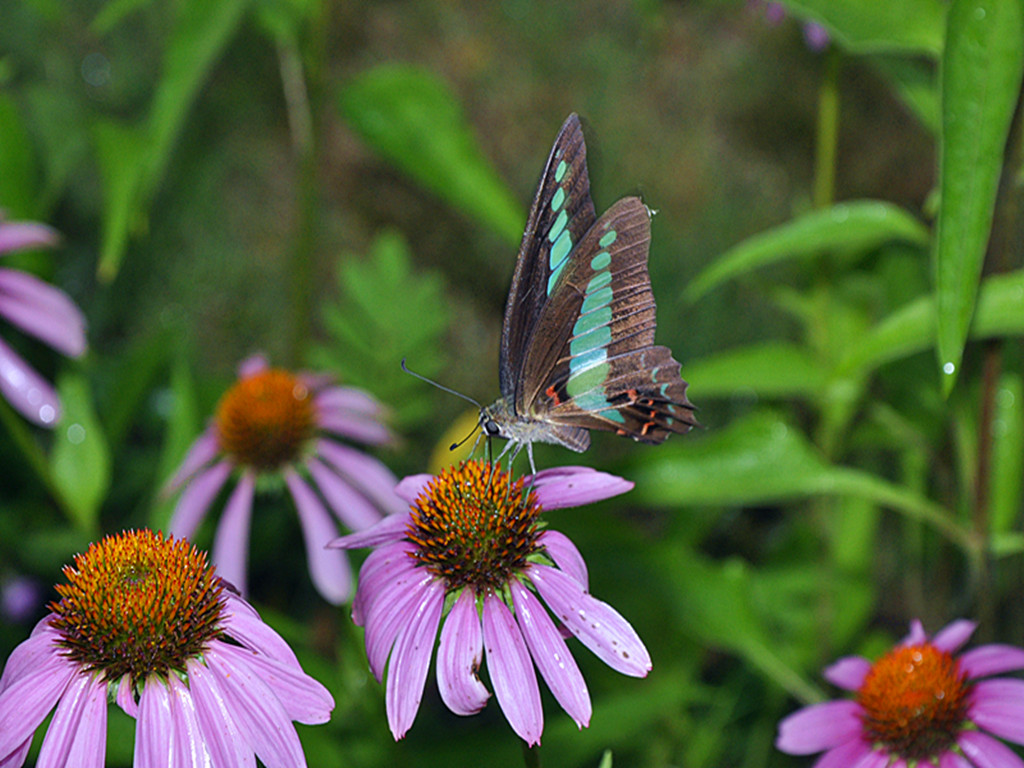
{"x":917,"y":705}
{"x":144,"y":621}
{"x":471,"y":558}
{"x":40,"y":310}
{"x":272,"y":424}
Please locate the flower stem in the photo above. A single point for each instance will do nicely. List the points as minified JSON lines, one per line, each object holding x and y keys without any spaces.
{"x":531,"y":755}
{"x":33,"y":454}
{"x":827,"y":139}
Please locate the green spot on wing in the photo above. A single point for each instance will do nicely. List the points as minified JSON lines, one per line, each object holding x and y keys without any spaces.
{"x":596,"y":299}
{"x":558,"y":227}
{"x":557,"y":199}
{"x":561,"y":249}
{"x":560,"y":171}
{"x":594,"y":340}
{"x":591,"y":320}
{"x":600,"y":261}
{"x":599,"y":281}
{"x":612,"y":414}
{"x":590,"y":378}
{"x":607,"y":238}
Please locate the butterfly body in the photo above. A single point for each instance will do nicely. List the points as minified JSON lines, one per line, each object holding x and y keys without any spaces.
{"x":577,"y":343}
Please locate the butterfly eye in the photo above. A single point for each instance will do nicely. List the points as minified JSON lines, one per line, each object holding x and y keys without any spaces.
{"x":491,"y":428}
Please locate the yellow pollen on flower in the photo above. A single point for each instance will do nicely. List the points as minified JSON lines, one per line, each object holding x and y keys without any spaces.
{"x":472,"y":527}
{"x":915,"y":701}
{"x":137,"y":603}
{"x":264,"y":420}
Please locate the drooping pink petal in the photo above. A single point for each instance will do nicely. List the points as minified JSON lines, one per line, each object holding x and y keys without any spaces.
{"x":196,"y":499}
{"x":155,"y":728}
{"x":371,"y":476}
{"x":88,"y":750}
{"x":597,"y":625}
{"x":26,"y":701}
{"x":231,"y":542}
{"x":355,"y":427}
{"x":225,"y":743}
{"x":819,"y":727}
{"x":22,"y":235}
{"x":16,"y":758}
{"x":846,"y":755}
{"x":202,"y":451}
{"x":252,"y":365}
{"x":410,"y":660}
{"x":563,"y":487}
{"x":565,"y":555}
{"x":257,"y":712}
{"x":985,"y":752}
{"x":126,"y":698}
{"x":41,"y":648}
{"x":998,"y":706}
{"x":328,"y":568}
{"x":388,"y":617}
{"x":391,"y":528}
{"x":848,"y":673}
{"x":349,"y":400}
{"x":954,"y":635}
{"x":459,"y":656}
{"x":384,"y":564}
{"x":878,"y":758}
{"x":511,"y":671}
{"x":950,"y":759}
{"x":916,"y":636}
{"x":43,"y":311}
{"x":66,"y":722}
{"x":243,"y":625}
{"x":551,"y":655}
{"x":189,"y":743}
{"x":993,"y":659}
{"x":304,"y":699}
{"x":26,"y":390}
{"x":411,"y":486}
{"x":349,"y":506}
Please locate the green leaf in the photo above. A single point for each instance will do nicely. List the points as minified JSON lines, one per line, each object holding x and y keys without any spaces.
{"x":19,"y":186}
{"x":122,"y":154}
{"x":1005,"y":490}
{"x":911,"y":329}
{"x":916,"y":84}
{"x":873,"y":26}
{"x":857,"y":226}
{"x":770,"y":369}
{"x":412,"y":118}
{"x":981,"y":77}
{"x":80,"y":460}
{"x":182,"y":426}
{"x":762,"y":459}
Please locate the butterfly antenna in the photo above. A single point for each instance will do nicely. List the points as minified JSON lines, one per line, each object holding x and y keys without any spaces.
{"x":463,"y":441}
{"x":442,"y":387}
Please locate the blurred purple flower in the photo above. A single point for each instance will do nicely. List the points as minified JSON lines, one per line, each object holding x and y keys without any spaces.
{"x":472,"y":542}
{"x":920,"y":704}
{"x":40,"y":310}
{"x":815,"y":35}
{"x":273,"y":424}
{"x":20,"y":598}
{"x":145,"y":621}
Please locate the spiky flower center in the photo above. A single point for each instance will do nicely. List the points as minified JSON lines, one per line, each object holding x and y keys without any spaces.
{"x":265,"y":419}
{"x":472,"y":527}
{"x":137,"y":603}
{"x":915,"y":701}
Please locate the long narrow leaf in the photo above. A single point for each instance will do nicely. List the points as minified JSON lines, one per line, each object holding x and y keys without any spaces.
{"x":908,"y":26}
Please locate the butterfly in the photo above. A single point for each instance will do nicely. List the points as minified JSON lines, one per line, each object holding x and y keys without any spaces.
{"x":577,"y":339}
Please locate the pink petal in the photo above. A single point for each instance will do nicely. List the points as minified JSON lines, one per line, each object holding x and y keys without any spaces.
{"x":189,"y":741}
{"x":354,"y":427}
{"x":410,"y":661}
{"x":243,"y":625}
{"x":231,"y":542}
{"x":349,"y":506}
{"x":126,"y":697}
{"x":76,"y":727}
{"x":459,"y":656}
{"x":597,"y":625}
{"x":998,"y":706}
{"x":154,"y":733}
{"x":40,"y":648}
{"x":988,"y":660}
{"x":17,"y":758}
{"x":43,"y":311}
{"x":551,"y":655}
{"x":846,"y":755}
{"x":252,"y":365}
{"x":200,"y":453}
{"x":916,"y":636}
{"x":26,"y":391}
{"x":575,"y":486}
{"x":565,"y":555}
{"x":303,"y":698}
{"x":380,"y":568}
{"x":949,"y":759}
{"x":951,"y":637}
{"x":409,"y":488}
{"x":985,"y":752}
{"x":511,"y":671}
{"x":22,"y":235}
{"x":256,"y":711}
{"x":848,"y":673}
{"x":25,"y":702}
{"x":819,"y":727}
{"x":349,"y":399}
{"x":226,"y":744}
{"x":196,"y":499}
{"x":388,"y":617}
{"x":328,"y":568}
{"x":376,"y":481}
{"x":391,"y":528}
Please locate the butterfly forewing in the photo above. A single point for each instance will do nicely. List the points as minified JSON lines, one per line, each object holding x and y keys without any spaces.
{"x":562,"y":212}
{"x":592,"y":362}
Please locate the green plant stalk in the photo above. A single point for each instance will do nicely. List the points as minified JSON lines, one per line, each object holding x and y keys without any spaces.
{"x":531,"y":755}
{"x":827,"y":138}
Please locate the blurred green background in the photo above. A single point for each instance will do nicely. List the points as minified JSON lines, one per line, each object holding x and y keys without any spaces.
{"x":341,"y":185}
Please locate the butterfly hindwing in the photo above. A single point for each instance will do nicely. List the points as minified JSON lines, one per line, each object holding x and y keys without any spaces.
{"x":562,"y":212}
{"x":592,"y":362}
